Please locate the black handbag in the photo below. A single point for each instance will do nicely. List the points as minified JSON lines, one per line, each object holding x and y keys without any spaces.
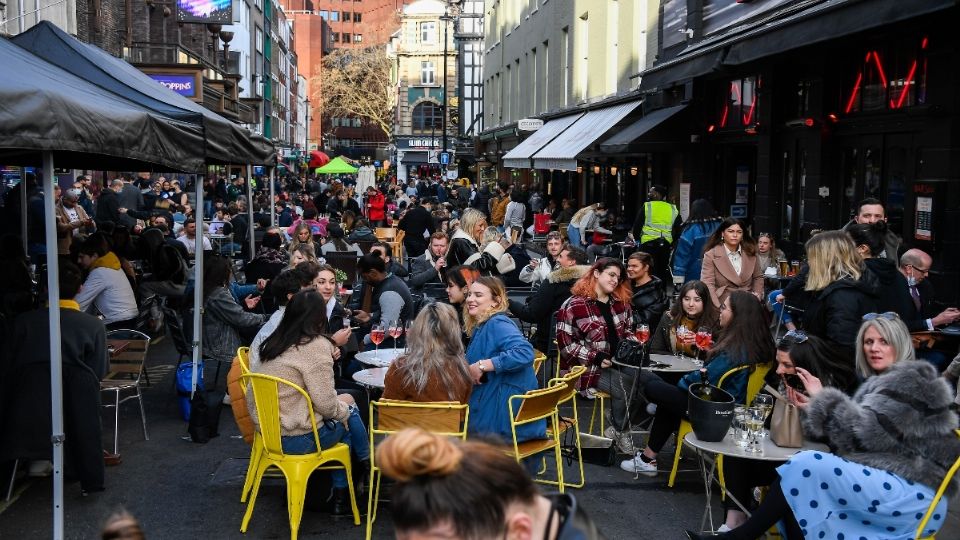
{"x":204,"y":421}
{"x":630,"y":353}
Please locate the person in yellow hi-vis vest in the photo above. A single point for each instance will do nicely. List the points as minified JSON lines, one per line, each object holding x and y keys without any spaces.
{"x":657,"y":224}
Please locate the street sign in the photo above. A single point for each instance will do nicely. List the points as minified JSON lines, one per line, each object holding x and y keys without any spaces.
{"x":529,"y":124}
{"x":444,"y":158}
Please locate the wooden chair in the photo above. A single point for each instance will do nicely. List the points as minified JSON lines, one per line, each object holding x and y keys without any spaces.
{"x":389,"y":416}
{"x":754,"y":384}
{"x":296,"y":468}
{"x":535,"y":405}
{"x":570,"y":381}
{"x":936,"y":500}
{"x":126,"y":370}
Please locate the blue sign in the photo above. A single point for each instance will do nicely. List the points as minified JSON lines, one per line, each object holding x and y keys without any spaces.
{"x":444,"y":158}
{"x":185,"y":85}
{"x":376,"y":163}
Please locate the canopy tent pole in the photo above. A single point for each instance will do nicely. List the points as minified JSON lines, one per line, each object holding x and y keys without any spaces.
{"x":253,"y":241}
{"x":273,"y":205}
{"x":23,"y":210}
{"x":197,"y":284}
{"x":56,"y":367}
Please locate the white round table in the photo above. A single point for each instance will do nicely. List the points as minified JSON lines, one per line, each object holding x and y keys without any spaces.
{"x":726,"y":447}
{"x":371,"y":378}
{"x":383,"y":358}
{"x":683,"y":364}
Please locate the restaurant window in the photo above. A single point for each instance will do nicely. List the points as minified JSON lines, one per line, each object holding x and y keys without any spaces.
{"x":427,"y":116}
{"x":739,"y":105}
{"x":888,"y":77}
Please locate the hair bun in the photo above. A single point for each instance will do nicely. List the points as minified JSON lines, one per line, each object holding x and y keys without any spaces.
{"x":414,"y":452}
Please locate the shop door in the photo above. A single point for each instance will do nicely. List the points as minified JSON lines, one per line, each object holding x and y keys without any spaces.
{"x":739,"y":172}
{"x":875,"y":166}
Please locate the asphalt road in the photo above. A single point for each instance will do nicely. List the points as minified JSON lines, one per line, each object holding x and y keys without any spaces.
{"x":178,"y":489}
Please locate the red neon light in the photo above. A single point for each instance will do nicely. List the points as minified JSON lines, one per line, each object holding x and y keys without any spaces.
{"x":723,"y":116}
{"x":906,"y":86}
{"x":710,"y":128}
{"x":832,"y":117}
{"x":883,"y":76}
{"x":808,"y":122}
{"x":923,"y":44}
{"x":853,"y":95}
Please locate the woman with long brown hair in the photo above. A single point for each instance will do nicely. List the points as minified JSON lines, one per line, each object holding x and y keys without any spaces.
{"x":500,"y":359}
{"x":730,"y":262}
{"x":745,"y":340}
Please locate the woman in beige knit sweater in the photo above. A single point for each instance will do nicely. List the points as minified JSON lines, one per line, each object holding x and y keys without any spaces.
{"x":299,"y":351}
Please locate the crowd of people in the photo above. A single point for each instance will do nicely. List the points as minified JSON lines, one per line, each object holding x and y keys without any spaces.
{"x":478,"y":299}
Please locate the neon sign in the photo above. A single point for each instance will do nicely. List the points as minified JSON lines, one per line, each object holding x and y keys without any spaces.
{"x":873,"y":90}
{"x":739,"y":108}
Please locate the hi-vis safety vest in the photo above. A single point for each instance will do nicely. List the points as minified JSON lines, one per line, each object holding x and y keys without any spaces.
{"x":658,"y":218}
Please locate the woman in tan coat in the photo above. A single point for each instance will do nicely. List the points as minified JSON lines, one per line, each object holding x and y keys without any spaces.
{"x":730,"y":262}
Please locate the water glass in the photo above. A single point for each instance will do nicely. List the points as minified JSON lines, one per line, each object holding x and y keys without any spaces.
{"x":755,"y":429}
{"x":740,"y":433}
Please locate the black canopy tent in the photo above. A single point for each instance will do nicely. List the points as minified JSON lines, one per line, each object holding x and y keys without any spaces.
{"x":50,"y":116}
{"x":224,"y":141}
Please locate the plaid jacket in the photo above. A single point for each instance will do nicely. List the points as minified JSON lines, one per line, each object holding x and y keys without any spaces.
{"x":582,"y":332}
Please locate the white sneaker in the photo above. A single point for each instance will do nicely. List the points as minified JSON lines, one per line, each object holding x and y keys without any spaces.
{"x":589,"y":393}
{"x":638,"y":466}
{"x":226,"y":399}
{"x":624,"y":441}
{"x":723,"y":528}
{"x":651,"y":409}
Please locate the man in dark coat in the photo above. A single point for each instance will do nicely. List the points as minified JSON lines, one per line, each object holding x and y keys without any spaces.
{"x":414,"y":223}
{"x":26,"y":419}
{"x":108,"y":204}
{"x":552,"y":293}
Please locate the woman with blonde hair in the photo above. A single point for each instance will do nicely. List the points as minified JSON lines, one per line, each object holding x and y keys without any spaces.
{"x":466,"y":241}
{"x":501,"y":362}
{"x":302,"y":234}
{"x":447,"y":488}
{"x":841,"y":289}
{"x":434,"y":368}
{"x":302,"y":253}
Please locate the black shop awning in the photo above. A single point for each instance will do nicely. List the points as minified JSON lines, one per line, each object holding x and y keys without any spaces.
{"x":650,"y":130}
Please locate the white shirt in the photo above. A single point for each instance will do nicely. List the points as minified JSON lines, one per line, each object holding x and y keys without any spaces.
{"x":191,"y":244}
{"x":108,"y":292}
{"x":74,"y":217}
{"x":266,"y":331}
{"x":736,"y":258}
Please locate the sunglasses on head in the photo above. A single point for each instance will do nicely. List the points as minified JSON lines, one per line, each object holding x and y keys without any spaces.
{"x":794,"y":336}
{"x":888,"y":315}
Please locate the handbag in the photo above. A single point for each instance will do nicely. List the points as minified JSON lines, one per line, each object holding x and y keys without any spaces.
{"x":629,"y":352}
{"x":785,"y":428}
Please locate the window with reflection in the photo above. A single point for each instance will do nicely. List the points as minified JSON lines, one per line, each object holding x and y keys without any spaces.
{"x":888,"y":77}
{"x":427,"y":116}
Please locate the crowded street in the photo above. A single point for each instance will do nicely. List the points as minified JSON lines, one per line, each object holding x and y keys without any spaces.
{"x":479,"y":269}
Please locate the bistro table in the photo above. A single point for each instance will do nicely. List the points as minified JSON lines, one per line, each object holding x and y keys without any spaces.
{"x":727,"y":447}
{"x":371,"y":378}
{"x":383,"y":358}
{"x":667,"y":363}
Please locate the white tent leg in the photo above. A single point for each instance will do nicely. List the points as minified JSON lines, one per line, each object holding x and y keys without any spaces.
{"x":252,"y":240}
{"x":56,"y":373}
{"x":197,"y":286}
{"x":273,"y":207}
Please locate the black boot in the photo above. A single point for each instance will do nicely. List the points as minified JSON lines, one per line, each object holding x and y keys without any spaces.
{"x":361,"y":477}
{"x":341,"y":502}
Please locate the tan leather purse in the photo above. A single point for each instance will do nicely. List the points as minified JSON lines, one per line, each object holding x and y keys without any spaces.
{"x":785,"y":428}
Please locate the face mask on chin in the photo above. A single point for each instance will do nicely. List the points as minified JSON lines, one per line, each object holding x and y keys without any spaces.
{"x":911,"y":281}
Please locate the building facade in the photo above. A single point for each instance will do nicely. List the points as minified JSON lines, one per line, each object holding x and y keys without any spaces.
{"x":568,"y":64}
{"x":793,"y":114}
{"x":426,"y":82}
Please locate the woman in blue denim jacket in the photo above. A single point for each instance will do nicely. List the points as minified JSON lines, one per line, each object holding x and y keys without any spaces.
{"x":741,"y":343}
{"x":688,"y":248}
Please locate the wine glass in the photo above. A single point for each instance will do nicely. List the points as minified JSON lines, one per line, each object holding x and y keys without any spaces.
{"x":643,"y":333}
{"x":394,"y":330}
{"x":680,"y":333}
{"x":764,"y":402}
{"x":755,"y":428}
{"x":377,"y":334}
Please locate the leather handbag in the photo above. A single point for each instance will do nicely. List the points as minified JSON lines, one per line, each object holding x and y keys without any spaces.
{"x":785,"y":428}
{"x":629,"y":352}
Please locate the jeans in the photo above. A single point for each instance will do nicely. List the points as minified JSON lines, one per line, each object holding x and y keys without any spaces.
{"x":573,"y":237}
{"x":671,"y":403}
{"x":617,"y":383}
{"x":332,"y":432}
{"x":778,"y":308}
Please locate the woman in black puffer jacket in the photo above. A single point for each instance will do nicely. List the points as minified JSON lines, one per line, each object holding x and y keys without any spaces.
{"x":649,"y":300}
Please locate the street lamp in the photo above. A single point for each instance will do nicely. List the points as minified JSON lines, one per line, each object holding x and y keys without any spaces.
{"x":446,"y":18}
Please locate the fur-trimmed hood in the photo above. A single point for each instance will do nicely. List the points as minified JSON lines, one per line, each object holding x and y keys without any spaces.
{"x":572,"y":273}
{"x":460,"y":234}
{"x":899,"y":421}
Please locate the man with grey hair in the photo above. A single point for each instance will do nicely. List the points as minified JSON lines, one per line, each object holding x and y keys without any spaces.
{"x":915,"y":266}
{"x":73,"y":223}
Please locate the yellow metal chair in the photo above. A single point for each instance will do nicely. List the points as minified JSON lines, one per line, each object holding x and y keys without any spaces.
{"x":538,"y":359}
{"x":754,"y":384}
{"x":598,"y":410}
{"x":540,"y":404}
{"x":243,"y":355}
{"x":389,"y":416}
{"x":566,"y":423}
{"x":296,"y":468}
{"x":936,"y":499}
{"x":256,"y":448}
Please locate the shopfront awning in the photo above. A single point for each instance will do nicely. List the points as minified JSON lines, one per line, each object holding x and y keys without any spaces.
{"x":682,"y":68}
{"x":561,"y":153}
{"x":520,"y":156}
{"x":414,"y":158}
{"x":639,"y":131}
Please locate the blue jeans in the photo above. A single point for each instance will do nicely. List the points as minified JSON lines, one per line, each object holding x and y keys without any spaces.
{"x":573,"y":237}
{"x":332,"y":432}
{"x":778,"y":308}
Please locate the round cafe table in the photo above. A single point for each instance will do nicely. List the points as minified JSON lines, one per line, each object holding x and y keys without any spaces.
{"x":727,"y":447}
{"x":371,"y":378}
{"x":381,"y":358}
{"x":667,"y":363}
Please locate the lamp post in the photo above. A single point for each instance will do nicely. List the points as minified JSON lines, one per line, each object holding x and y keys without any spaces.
{"x":446,"y":18}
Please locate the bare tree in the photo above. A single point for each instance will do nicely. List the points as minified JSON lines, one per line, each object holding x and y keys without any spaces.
{"x":355,"y":83}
